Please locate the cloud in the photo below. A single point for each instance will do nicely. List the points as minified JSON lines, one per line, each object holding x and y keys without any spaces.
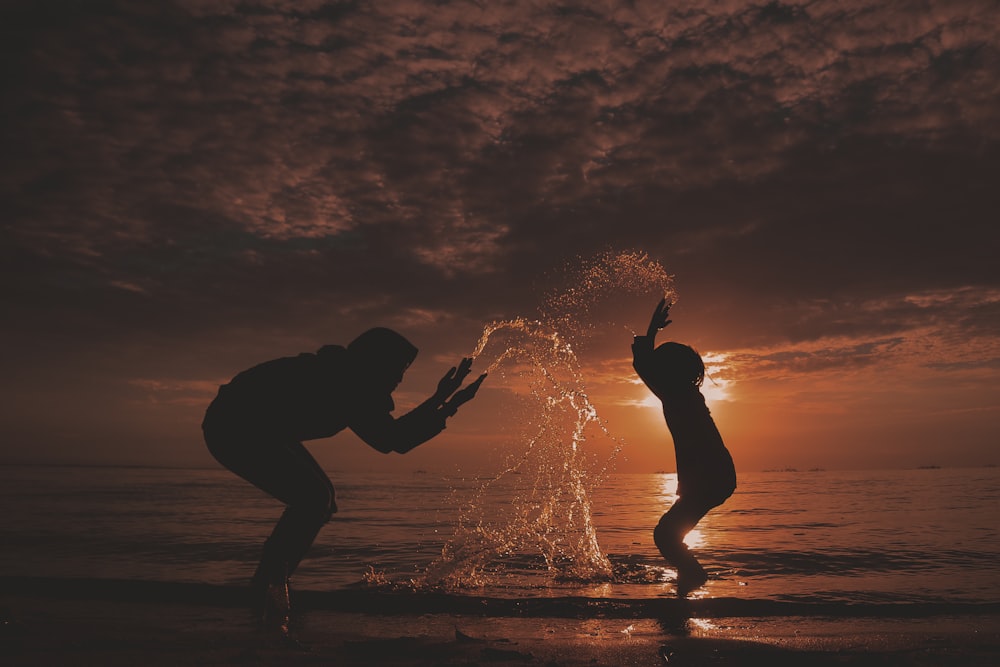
{"x":192,"y":187}
{"x":188,"y":393}
{"x":307,"y":122}
{"x":233,"y":159}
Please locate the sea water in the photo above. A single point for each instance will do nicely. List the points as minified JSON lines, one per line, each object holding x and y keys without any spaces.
{"x":554,"y":521}
{"x":546,"y":513}
{"x":820,"y":537}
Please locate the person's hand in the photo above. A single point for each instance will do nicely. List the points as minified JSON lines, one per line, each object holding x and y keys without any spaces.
{"x":452,"y":380}
{"x":659,"y":319}
{"x":465,"y":395}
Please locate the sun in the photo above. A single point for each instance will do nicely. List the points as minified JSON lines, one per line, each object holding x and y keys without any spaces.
{"x":716,"y":387}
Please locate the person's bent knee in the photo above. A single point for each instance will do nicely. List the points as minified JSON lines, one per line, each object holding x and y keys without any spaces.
{"x":327,"y":504}
{"x":666,"y":537}
{"x":314,"y":514}
{"x":315,"y":497}
{"x":323,"y":507}
{"x":331,"y":503}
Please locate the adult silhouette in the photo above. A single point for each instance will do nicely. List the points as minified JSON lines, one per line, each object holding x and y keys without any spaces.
{"x":257,"y":422}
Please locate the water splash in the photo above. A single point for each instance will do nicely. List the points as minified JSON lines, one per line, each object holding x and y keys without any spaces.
{"x":547,"y":525}
{"x":595,"y":293}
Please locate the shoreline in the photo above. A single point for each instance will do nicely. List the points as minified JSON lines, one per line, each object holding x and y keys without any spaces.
{"x":403,"y":601}
{"x":77,"y":624}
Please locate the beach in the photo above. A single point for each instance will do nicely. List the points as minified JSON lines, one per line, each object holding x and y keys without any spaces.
{"x":86,"y":623}
{"x":131,"y":567}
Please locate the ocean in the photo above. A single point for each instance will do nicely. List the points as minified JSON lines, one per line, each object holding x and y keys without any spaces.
{"x":824,"y":539}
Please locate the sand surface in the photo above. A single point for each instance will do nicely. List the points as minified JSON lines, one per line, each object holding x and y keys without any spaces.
{"x":52,"y":630}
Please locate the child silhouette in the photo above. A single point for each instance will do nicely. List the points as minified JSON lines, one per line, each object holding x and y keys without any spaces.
{"x":706,"y":476}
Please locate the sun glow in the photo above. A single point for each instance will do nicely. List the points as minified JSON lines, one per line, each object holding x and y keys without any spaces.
{"x":668,"y":489}
{"x":695,"y":539}
{"x":716,"y":386}
{"x":651,"y":401}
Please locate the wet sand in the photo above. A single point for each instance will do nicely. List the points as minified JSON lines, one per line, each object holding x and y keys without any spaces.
{"x":74,"y":628}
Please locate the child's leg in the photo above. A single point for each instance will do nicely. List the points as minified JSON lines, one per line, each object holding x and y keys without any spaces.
{"x":682,"y":516}
{"x":669,"y":538}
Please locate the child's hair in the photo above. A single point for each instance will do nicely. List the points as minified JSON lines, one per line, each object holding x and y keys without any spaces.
{"x":679,"y":365}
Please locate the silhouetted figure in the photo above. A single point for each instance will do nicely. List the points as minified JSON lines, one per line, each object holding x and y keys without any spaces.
{"x":257,"y":422}
{"x":706,"y":476}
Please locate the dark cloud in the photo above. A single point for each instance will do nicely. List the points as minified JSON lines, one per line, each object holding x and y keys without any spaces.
{"x":197,"y":172}
{"x":793,"y":362}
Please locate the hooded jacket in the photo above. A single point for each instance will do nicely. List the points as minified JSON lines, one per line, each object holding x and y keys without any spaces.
{"x":317,"y":395}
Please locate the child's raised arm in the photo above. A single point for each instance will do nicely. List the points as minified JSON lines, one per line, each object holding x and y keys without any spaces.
{"x":659,"y":319}
{"x":642,"y":346}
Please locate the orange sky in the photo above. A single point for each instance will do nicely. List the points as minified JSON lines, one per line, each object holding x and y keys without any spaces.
{"x":191,"y":192}
{"x":835,"y":402}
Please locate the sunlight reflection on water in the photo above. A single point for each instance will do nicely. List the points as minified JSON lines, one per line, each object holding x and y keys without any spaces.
{"x":840,"y":536}
{"x":549,"y":512}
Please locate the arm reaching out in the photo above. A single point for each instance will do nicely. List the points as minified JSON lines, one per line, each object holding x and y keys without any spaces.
{"x":462,"y":397}
{"x":448,"y":397}
{"x":452,"y":380}
{"x":426,"y":420}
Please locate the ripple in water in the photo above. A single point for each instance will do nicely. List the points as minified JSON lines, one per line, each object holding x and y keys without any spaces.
{"x":545,"y":526}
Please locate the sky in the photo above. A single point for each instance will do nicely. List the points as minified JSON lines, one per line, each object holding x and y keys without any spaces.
{"x":191,"y":188}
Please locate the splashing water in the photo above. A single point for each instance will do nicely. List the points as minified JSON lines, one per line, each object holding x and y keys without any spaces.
{"x":596,"y":291}
{"x":546,"y":521}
